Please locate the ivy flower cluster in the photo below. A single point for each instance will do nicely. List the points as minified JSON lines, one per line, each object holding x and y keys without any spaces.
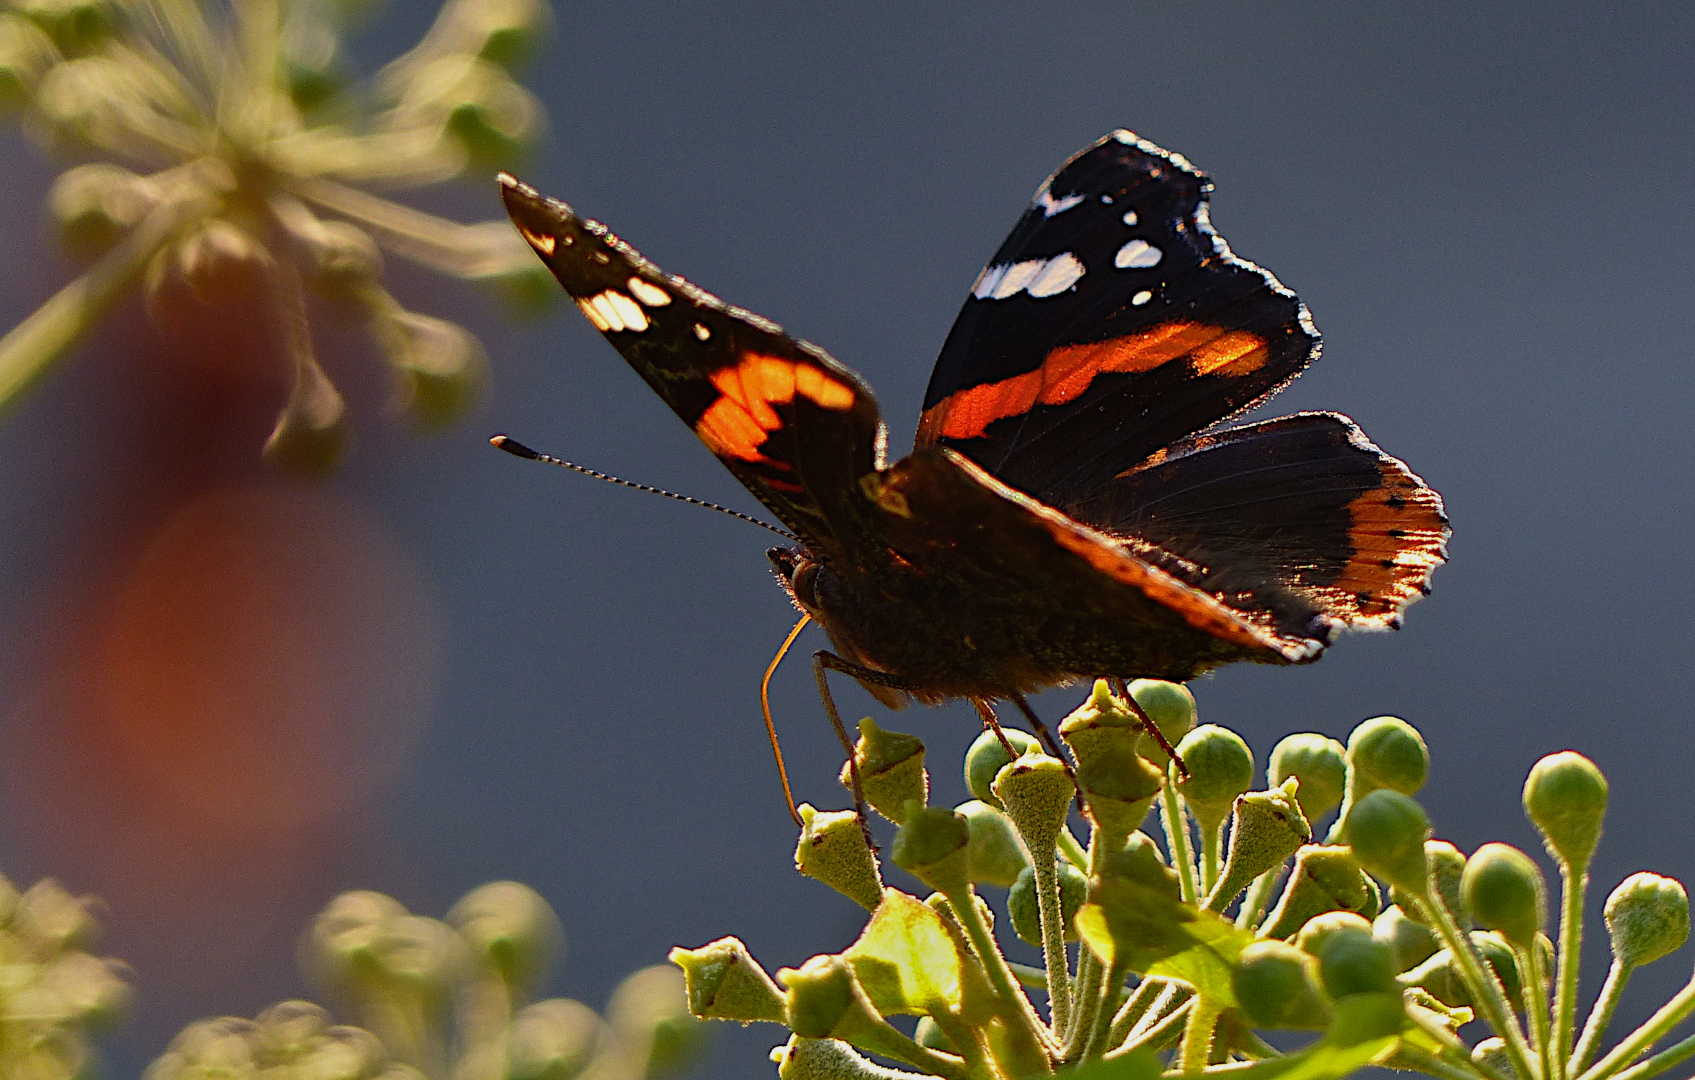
{"x":225,"y":154}
{"x":1386,"y":943}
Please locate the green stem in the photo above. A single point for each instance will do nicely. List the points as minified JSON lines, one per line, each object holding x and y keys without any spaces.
{"x":1177,"y":837}
{"x":1671,"y":1014}
{"x":1053,"y":940}
{"x":30,"y":347}
{"x":1133,"y":1010}
{"x":1094,"y":1042}
{"x":1253,"y":907}
{"x":1084,"y":1006}
{"x":1535,"y":990}
{"x":1157,"y":1034}
{"x":1072,"y":850}
{"x":1197,"y":1035}
{"x":1411,"y":1057}
{"x":1028,"y":975}
{"x":1600,"y":1016}
{"x":1574,"y":884}
{"x":1485,"y":987}
{"x":1024,"y":1028}
{"x":1661,"y":1061}
{"x":1211,"y":857}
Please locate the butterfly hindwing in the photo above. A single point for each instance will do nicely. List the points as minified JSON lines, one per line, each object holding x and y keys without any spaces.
{"x":1112,"y":322}
{"x":796,"y":428}
{"x":1302,"y":518}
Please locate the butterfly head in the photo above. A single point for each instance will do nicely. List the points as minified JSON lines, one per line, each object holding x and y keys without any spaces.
{"x":802,"y":577}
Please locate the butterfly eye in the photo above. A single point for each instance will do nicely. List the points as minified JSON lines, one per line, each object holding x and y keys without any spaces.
{"x":804,"y":582}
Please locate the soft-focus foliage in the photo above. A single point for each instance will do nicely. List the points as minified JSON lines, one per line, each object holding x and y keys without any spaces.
{"x":224,"y":152}
{"x":1240,"y":923}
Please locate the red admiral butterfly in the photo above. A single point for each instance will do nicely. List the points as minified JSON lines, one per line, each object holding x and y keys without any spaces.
{"x":1071,"y":508}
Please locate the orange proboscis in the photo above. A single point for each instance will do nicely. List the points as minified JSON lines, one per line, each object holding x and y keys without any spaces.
{"x":1068,"y":370}
{"x":737,"y":424}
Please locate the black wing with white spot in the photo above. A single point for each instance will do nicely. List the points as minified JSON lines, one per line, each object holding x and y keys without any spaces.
{"x":1111,"y":324}
{"x":797,"y":428}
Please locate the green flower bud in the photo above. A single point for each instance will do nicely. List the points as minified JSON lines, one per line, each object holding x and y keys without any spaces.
{"x":313,"y":429}
{"x":289,"y":1027}
{"x":891,"y":770}
{"x":831,"y":1059}
{"x":439,"y":363}
{"x":832,"y":849}
{"x":1316,"y":934}
{"x":1277,"y":986}
{"x":1024,"y":907}
{"x":1269,"y":828}
{"x":987,"y":757}
{"x":81,"y":989}
{"x":1321,"y":765}
{"x":1221,"y":767}
{"x":933,"y":844}
{"x":1647,"y":917}
{"x":1412,"y":941}
{"x":1171,"y":708}
{"x":724,"y":982}
{"x":1036,"y":792}
{"x":997,"y":855}
{"x":1351,"y":961}
{"x":554,"y":1040}
{"x":1324,"y":879}
{"x":650,"y":1008}
{"x":1102,"y":719}
{"x":1447,"y":867}
{"x":1565,"y":797}
{"x":1386,"y":752}
{"x":1491,"y":1054}
{"x":51,"y":919}
{"x":76,"y":25}
{"x":1119,"y":786}
{"x":1441,"y":978}
{"x":222,"y":1046}
{"x":26,"y":52}
{"x":512,"y":929}
{"x":93,"y":206}
{"x":1386,"y":831}
{"x":1504,"y":891}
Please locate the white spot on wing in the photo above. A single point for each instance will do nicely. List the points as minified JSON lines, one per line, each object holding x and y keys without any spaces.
{"x":1051,"y":206}
{"x":1059,"y":274}
{"x":594,"y":316}
{"x":1039,"y":277}
{"x":542,"y":242}
{"x":701,"y":332}
{"x":1137,"y":255}
{"x":1141,"y":298}
{"x":1107,"y":199}
{"x":651,"y":295}
{"x":1130,"y":217}
{"x":629,"y":312}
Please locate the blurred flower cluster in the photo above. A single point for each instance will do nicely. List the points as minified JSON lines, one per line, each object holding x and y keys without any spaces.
{"x":1384,"y":941}
{"x":54,"y":994}
{"x":443,"y":1000}
{"x":225,"y":154}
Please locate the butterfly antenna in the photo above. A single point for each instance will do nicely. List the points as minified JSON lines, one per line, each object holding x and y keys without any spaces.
{"x":517,"y":449}
{"x":770,"y":727}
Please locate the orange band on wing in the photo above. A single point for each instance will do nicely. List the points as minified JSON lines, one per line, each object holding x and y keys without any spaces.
{"x":1068,"y":370}
{"x":738,"y":423}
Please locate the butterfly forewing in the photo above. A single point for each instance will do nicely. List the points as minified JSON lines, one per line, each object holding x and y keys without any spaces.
{"x":1112,"y":323}
{"x":796,"y":428}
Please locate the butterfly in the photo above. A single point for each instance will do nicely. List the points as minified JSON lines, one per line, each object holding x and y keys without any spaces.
{"x":1074,"y":505}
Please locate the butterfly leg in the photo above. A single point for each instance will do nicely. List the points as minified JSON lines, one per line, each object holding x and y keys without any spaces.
{"x":823,"y":662}
{"x":1123,"y":693}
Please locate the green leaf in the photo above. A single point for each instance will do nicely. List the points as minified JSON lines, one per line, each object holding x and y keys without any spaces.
{"x":905,"y":960}
{"x":1207,"y":964}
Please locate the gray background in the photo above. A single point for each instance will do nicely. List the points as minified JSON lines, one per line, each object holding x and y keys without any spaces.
{"x":1487,"y":208}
